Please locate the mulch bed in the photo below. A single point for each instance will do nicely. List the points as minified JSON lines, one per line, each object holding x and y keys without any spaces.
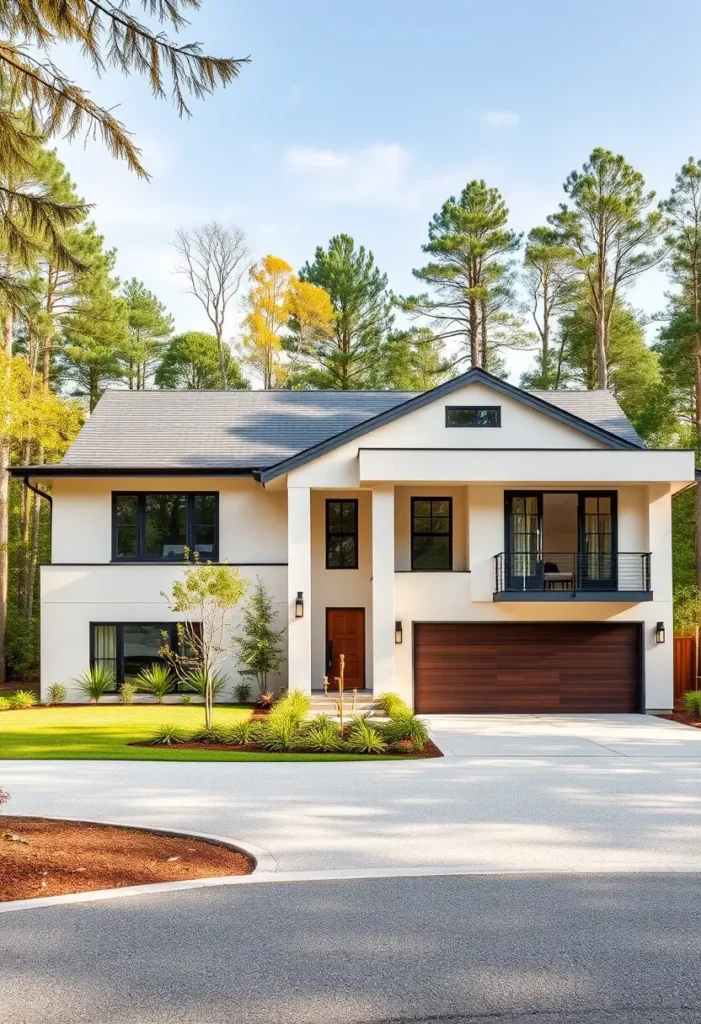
{"x":685,"y":718}
{"x":430,"y":749}
{"x":40,"y":857}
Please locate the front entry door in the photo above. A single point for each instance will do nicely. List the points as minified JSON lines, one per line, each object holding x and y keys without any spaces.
{"x":345,"y":634}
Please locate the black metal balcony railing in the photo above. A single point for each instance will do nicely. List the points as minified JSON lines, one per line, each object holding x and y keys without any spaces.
{"x":567,"y":572}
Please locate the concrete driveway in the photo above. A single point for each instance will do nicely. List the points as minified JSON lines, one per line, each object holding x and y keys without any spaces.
{"x":519,"y":793}
{"x":563,"y":736}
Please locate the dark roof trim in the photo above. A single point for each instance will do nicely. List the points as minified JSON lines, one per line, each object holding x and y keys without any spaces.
{"x":475,"y":374}
{"x":60,"y":470}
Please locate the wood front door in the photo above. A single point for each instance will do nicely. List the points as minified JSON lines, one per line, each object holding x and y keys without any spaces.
{"x":345,"y":634}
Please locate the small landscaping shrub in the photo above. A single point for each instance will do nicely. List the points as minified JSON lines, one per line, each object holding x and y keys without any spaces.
{"x":392,"y":704}
{"x":96,"y":682}
{"x":692,"y":702}
{"x":243,"y":733}
{"x":57,"y":693}
{"x":22,"y":699}
{"x":242,"y":693}
{"x":295,"y":703}
{"x":406,"y":727}
{"x":214,"y":735}
{"x":363,"y":738}
{"x":197,"y":682}
{"x":127,"y":692}
{"x":265,"y":701}
{"x":280,"y":732}
{"x":403,"y":747}
{"x":168,"y":735}
{"x":5,"y":703}
{"x":186,"y":698}
{"x":320,"y":736}
{"x":157,"y":680}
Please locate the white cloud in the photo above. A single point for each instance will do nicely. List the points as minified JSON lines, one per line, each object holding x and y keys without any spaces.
{"x":378,"y":175}
{"x":501,"y":118}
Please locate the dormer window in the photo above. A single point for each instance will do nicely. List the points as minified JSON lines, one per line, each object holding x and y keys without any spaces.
{"x":473,"y":416}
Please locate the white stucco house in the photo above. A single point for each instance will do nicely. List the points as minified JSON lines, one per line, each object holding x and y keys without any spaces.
{"x":476,"y":547}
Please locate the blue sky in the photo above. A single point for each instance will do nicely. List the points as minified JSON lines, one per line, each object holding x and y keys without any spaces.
{"x":364,"y":117}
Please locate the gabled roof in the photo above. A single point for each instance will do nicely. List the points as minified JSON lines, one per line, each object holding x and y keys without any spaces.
{"x":272,"y":432}
{"x":617,"y":433}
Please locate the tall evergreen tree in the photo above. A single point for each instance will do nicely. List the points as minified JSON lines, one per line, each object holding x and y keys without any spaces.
{"x":148,"y":327}
{"x":614,"y":234}
{"x":362,"y":305}
{"x":550,"y":283}
{"x":470,"y":275}
{"x":411,"y":360}
{"x":190,"y":362}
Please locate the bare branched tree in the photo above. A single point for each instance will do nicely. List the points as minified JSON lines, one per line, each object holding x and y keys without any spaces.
{"x":213,"y":259}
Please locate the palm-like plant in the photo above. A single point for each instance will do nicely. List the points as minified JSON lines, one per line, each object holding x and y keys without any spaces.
{"x":97,"y":681}
{"x":196,"y":680}
{"x":158,"y":680}
{"x":363,"y":738}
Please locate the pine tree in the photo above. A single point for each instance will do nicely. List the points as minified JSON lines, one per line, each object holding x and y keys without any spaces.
{"x":190,"y":362}
{"x":148,"y":327}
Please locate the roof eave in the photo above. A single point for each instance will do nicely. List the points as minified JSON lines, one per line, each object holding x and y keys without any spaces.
{"x":58,"y":469}
{"x":427,"y":397}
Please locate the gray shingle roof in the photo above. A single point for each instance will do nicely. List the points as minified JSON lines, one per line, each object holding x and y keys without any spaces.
{"x":257,"y":429}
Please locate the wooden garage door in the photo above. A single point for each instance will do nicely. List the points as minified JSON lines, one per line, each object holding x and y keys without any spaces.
{"x":473,"y":667}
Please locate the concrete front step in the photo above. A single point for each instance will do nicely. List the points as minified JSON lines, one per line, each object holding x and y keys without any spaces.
{"x":324,"y":704}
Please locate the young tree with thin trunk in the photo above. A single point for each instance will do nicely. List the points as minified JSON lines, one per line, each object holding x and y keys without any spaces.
{"x":470,"y":275}
{"x":148,"y":327}
{"x":550,"y":280}
{"x":213,"y":260}
{"x":614,"y":234}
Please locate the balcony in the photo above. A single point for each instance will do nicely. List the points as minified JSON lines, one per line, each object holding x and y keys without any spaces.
{"x":572,"y":576}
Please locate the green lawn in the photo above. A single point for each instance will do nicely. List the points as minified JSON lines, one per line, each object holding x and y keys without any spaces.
{"x":103,"y":732}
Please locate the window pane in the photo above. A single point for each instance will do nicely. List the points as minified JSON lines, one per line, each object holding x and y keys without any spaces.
{"x":105,"y":649}
{"x":422,"y":508}
{"x":333,"y":553}
{"x":127,"y":514}
{"x":348,"y":516}
{"x":333,"y":515}
{"x":431,"y":552}
{"x":165,"y":525}
{"x":205,"y":506}
{"x":441,"y":526}
{"x":422,"y":525}
{"x":440,"y":508}
{"x":141,"y":647}
{"x":205,"y":540}
{"x":473,"y":416}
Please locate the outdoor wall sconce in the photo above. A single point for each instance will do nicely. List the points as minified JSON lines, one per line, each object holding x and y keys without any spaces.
{"x":397,"y":632}
{"x":659,"y":633}
{"x":299,"y":605}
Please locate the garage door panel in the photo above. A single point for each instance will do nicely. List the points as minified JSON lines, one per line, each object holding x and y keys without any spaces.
{"x":537,"y":668}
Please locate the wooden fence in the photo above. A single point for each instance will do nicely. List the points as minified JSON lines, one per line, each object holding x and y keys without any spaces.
{"x":684,"y":666}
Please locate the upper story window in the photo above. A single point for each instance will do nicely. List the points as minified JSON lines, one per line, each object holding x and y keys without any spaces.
{"x":431,"y":533}
{"x":473,"y":416}
{"x":158,"y":526}
{"x":341,"y":534}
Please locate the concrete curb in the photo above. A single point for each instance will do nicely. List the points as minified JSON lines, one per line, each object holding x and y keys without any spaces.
{"x":265,"y":864}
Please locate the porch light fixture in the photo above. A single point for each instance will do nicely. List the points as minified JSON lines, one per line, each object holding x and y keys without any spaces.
{"x":299,"y":605}
{"x":659,"y":633}
{"x":397,"y":632}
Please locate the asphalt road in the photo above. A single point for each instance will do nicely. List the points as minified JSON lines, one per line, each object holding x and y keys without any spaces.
{"x":608,"y":949}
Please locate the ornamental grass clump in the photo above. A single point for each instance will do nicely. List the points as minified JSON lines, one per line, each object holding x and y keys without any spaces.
{"x":283,"y":726}
{"x":243,"y":733}
{"x":392,"y":704}
{"x":156,"y":680}
{"x":320,"y":736}
{"x":197,"y":680}
{"x":168,"y":735}
{"x":127,"y":692}
{"x":5,"y":704}
{"x":406,"y":727}
{"x":215,"y":734}
{"x":57,"y":694}
{"x":97,"y":681}
{"x":692,"y":702}
{"x":21,"y":699}
{"x":363,"y":737}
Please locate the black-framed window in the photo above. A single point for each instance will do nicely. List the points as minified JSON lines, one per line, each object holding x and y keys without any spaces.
{"x":473,"y":416}
{"x":341,"y":533}
{"x":125,"y":648}
{"x":157,"y":526}
{"x":431,"y":534}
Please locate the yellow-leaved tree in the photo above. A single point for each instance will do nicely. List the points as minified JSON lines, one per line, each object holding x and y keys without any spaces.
{"x":284,"y":316}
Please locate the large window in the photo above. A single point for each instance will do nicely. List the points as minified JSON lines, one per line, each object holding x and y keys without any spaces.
{"x":125,"y":648}
{"x":158,"y":526}
{"x":431,"y":533}
{"x":473,"y":416}
{"x":341,"y":534}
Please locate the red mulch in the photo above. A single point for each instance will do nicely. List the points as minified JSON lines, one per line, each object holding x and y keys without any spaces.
{"x":40,"y":857}
{"x":430,"y":749}
{"x":685,"y":718}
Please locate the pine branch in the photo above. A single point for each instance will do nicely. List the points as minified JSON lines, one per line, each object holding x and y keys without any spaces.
{"x":32,"y":222}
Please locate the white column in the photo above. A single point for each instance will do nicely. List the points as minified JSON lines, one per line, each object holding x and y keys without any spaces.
{"x":299,"y":578}
{"x":383,"y":589}
{"x":659,"y":658}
